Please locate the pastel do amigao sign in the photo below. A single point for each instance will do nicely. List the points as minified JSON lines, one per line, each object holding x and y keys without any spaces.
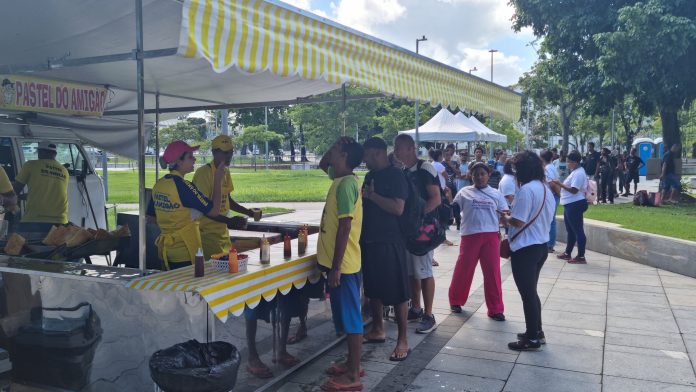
{"x":30,"y":94}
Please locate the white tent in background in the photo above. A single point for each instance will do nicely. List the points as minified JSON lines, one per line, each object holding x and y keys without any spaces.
{"x":488,"y":134}
{"x":444,"y":127}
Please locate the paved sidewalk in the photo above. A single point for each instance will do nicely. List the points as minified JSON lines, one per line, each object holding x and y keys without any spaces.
{"x":611,"y":325}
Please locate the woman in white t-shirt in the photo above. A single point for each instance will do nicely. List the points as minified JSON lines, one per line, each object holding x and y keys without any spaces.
{"x":551,"y":177}
{"x":436,"y":156}
{"x":508,"y":184}
{"x":574,"y":206}
{"x":481,"y":208}
{"x":529,"y":222}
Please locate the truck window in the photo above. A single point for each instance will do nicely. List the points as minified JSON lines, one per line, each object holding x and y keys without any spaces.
{"x":7,"y":159}
{"x":68,"y":154}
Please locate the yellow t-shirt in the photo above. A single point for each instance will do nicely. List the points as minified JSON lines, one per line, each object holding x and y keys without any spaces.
{"x":47,"y":197}
{"x":215,"y":236}
{"x":343,"y":200}
{"x":5,"y":185}
{"x":178,"y":204}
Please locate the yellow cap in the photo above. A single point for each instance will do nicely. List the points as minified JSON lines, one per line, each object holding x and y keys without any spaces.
{"x":223,"y":143}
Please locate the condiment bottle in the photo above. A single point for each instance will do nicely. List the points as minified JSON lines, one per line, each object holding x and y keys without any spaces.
{"x":265,"y":251}
{"x":198,"y":264}
{"x":287,"y":250}
{"x":232,"y":261}
{"x":302,"y":241}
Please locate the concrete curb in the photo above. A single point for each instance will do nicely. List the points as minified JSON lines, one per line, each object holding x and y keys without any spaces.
{"x":670,"y":254}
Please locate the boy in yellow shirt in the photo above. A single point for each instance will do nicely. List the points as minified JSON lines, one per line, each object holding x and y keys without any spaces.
{"x":338,"y":254}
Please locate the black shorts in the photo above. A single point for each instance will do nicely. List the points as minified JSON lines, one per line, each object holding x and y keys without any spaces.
{"x":633,"y":176}
{"x":385,"y":273}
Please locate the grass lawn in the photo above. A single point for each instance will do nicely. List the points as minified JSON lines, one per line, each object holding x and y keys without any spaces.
{"x":250,"y":186}
{"x":668,"y":220}
{"x":266,"y":210}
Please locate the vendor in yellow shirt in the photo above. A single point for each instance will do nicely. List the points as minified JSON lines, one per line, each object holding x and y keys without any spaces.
{"x":177,"y":204}
{"x":215,"y":234}
{"x":8,"y":198}
{"x":47,"y":183}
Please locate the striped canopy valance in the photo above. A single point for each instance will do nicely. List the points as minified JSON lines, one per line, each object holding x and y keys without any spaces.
{"x":258,"y":36}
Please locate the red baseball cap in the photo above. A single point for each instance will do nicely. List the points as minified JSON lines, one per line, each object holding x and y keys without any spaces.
{"x":176,"y":150}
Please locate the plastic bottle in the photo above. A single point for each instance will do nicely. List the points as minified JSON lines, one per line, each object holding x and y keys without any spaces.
{"x":287,"y":250}
{"x":232,"y":261}
{"x":198,"y":264}
{"x":265,"y":251}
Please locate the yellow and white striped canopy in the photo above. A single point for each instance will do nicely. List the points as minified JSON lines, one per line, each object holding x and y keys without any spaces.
{"x":256,"y":36}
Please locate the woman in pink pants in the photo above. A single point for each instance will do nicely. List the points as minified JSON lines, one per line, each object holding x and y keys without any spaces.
{"x":481,"y":207}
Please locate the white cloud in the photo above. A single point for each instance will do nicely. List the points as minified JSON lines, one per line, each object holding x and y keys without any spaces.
{"x":459,"y":32}
{"x":506,"y":68}
{"x":363,"y":15}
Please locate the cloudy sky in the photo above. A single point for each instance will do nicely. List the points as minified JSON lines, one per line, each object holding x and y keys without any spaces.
{"x":459,"y":32}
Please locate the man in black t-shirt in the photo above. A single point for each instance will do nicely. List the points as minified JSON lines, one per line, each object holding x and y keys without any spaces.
{"x":385,"y":274}
{"x":420,"y":267}
{"x":591,"y":160}
{"x":633,"y":165}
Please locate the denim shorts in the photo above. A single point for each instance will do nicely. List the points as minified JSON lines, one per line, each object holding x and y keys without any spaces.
{"x":671,"y":181}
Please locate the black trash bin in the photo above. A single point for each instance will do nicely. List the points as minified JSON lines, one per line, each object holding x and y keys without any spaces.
{"x":196,"y":367}
{"x":58,"y":347}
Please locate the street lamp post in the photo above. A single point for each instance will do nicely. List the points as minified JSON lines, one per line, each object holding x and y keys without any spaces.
{"x":491,"y":52}
{"x":418,"y":41}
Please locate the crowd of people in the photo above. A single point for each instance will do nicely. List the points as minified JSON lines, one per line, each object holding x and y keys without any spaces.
{"x":362,"y":241}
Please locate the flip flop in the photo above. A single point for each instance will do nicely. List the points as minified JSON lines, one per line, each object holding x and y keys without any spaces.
{"x":332,"y":385}
{"x":373,"y":340}
{"x":338,"y":370}
{"x":288,"y":361}
{"x":261,"y":372}
{"x":394,"y":358}
{"x":297,"y":338}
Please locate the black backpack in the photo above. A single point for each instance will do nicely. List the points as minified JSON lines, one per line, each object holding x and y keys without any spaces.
{"x":422,"y":232}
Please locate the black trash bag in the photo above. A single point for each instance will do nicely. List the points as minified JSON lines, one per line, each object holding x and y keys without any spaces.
{"x":196,"y":367}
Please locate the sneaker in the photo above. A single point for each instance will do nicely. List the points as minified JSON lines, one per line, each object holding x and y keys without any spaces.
{"x":564,"y":256}
{"x":414,"y":315}
{"x":456,"y":308}
{"x":542,"y":337}
{"x":498,"y":317}
{"x":427,"y":324}
{"x":578,"y":260}
{"x":525,"y":345}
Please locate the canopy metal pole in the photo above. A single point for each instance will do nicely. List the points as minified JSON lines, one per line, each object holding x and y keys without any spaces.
{"x":141,"y":132}
{"x":157,"y":143}
{"x":343,"y":108}
{"x":265,"y":121}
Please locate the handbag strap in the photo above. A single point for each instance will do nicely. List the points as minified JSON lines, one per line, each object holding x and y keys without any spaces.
{"x":533,"y":219}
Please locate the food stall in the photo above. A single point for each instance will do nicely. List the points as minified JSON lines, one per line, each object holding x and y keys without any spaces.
{"x":90,"y":327}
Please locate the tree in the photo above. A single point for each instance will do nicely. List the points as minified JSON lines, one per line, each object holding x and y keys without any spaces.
{"x":258,"y":134}
{"x":632,"y":119}
{"x":607,"y":50}
{"x":544,"y":87}
{"x":190,"y":130}
{"x":323,"y":122}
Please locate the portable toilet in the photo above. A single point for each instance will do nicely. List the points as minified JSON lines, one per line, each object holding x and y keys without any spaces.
{"x":645,"y":148}
{"x":659,"y":147}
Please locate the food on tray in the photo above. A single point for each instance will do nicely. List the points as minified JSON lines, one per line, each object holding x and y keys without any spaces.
{"x":15,"y":244}
{"x":79,"y":237}
{"x":56,"y":236}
